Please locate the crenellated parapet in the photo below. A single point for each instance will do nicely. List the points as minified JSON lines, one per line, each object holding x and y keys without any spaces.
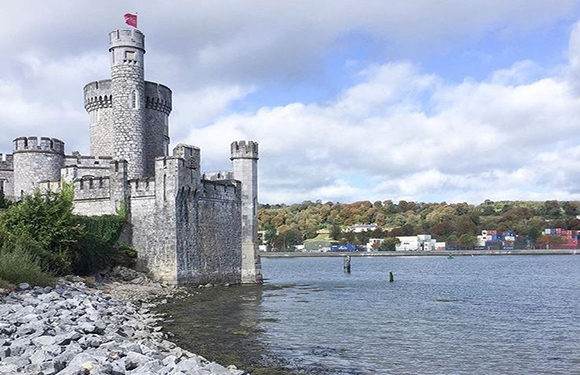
{"x":224,"y":190}
{"x":158,"y":97}
{"x":36,"y":144}
{"x":244,"y":150}
{"x":218,"y":176}
{"x":98,"y":95}
{"x":89,"y":187}
{"x":142,"y":187}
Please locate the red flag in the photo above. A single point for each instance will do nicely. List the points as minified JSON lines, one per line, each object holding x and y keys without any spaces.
{"x":131,"y":19}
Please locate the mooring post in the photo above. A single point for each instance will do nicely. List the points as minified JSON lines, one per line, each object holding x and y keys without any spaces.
{"x":391,"y":277}
{"x":347,"y":264}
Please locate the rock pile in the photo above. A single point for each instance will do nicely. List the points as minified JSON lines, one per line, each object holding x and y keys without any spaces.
{"x":71,"y":329}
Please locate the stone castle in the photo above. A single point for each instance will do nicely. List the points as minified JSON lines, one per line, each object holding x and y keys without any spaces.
{"x":187,"y":227}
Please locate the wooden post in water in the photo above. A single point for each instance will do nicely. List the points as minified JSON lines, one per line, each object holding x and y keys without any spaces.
{"x":347,"y":264}
{"x":391,"y":277}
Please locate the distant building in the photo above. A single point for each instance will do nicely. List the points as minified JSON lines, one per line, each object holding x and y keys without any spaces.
{"x":359,"y":228}
{"x":421,"y":242}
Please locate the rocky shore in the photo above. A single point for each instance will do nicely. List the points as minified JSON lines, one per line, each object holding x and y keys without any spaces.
{"x":105,"y":327}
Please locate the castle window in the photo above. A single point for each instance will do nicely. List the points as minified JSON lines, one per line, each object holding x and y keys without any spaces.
{"x":2,"y":186}
{"x":134,"y":99}
{"x":130,"y":55}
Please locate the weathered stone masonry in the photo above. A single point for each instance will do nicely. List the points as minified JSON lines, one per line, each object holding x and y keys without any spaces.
{"x":187,"y":227}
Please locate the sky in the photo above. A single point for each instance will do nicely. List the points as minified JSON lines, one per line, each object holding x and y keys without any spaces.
{"x":423,"y":100}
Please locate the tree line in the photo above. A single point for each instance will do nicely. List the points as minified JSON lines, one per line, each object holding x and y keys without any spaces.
{"x":458,"y":224}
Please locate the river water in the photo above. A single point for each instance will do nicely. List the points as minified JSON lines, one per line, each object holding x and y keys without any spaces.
{"x":467,"y":315}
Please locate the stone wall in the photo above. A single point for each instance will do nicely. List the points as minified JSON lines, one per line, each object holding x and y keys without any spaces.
{"x":77,"y":166}
{"x":154,"y":221}
{"x":93,"y":196}
{"x":218,"y":258}
{"x":186,"y":230}
{"x":7,"y":175}
{"x":36,"y":160}
{"x":156,"y":138}
{"x":99,"y":105}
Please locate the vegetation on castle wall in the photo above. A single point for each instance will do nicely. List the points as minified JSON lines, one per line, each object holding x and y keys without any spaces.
{"x":57,"y":242}
{"x":287,"y":225}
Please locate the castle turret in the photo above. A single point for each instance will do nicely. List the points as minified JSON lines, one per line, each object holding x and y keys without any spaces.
{"x":127,"y":49}
{"x":244,"y":156}
{"x":129,"y":116}
{"x":36,"y":160}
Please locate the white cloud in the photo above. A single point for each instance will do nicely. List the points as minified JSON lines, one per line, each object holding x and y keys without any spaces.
{"x":406,"y":134}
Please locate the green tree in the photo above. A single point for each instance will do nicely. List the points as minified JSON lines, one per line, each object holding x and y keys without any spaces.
{"x":389,"y":244}
{"x":4,"y":203}
{"x":335,"y":231}
{"x":270,"y":237}
{"x":452,"y":240}
{"x":533,"y":235}
{"x":467,"y":241}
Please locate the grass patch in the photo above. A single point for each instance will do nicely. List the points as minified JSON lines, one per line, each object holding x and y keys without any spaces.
{"x":18,"y":266}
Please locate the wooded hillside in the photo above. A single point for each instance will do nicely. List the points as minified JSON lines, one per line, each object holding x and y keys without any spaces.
{"x":289,"y":225}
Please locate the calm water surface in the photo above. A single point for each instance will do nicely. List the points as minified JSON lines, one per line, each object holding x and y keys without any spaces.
{"x":468,"y":315}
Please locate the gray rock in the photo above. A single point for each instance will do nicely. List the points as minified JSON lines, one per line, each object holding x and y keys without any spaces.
{"x":66,"y":338}
{"x":44,"y":340}
{"x":87,"y":328}
{"x":81,"y":364}
{"x":40,"y":356}
{"x":8,"y":369}
{"x":4,"y":352}
{"x":134,"y":360}
{"x":23,"y":286}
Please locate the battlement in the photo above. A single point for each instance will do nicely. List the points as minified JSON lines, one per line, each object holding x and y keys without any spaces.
{"x":191,"y":155}
{"x":34,"y":144}
{"x":89,"y":187}
{"x":222,"y":190}
{"x":218,"y":176}
{"x":127,"y":38}
{"x":98,"y":95}
{"x":142,"y":187}
{"x":244,"y":150}
{"x":158,"y":97}
{"x":6,"y":162}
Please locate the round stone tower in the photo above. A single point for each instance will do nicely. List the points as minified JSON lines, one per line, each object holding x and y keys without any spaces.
{"x":127,"y":49}
{"x":36,"y":161}
{"x":244,"y":156}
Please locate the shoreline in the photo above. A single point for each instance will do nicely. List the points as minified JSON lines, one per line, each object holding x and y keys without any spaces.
{"x":75,"y":327}
{"x":420,"y":253}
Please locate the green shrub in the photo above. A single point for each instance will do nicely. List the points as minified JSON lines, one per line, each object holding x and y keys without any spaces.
{"x":44,"y":226}
{"x":97,"y":247}
{"x":17,"y":265}
{"x":48,"y":226}
{"x":4,"y":203}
